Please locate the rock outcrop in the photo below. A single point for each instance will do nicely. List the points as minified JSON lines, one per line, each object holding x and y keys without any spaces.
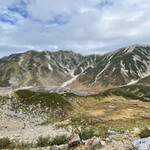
{"x":142,"y":144}
{"x":74,"y":140}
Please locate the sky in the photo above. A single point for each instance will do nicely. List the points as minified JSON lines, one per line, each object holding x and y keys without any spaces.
{"x":84,"y":26}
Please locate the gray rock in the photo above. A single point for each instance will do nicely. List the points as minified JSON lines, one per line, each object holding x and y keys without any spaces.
{"x":142,"y":144}
{"x":109,"y":139}
{"x":110,"y":106}
{"x":43,"y":148}
{"x":59,"y":147}
{"x":94,"y":141}
{"x":116,"y":137}
{"x":103,"y":143}
{"x":112,"y":132}
{"x":74,"y":140}
{"x":17,"y":135}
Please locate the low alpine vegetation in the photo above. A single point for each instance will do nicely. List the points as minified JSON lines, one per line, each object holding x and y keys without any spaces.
{"x":46,"y":141}
{"x":144,"y":133}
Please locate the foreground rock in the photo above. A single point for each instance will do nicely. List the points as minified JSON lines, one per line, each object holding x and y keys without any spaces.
{"x":74,"y":140}
{"x":55,"y":147}
{"x":23,"y":126}
{"x":119,"y":142}
{"x":113,"y":142}
{"x":94,"y":141}
{"x":142,"y":144}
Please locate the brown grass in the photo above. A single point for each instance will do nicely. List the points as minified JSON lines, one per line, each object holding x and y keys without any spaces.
{"x":124,"y":109}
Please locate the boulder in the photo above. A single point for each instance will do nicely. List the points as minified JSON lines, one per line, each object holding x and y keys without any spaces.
{"x":119,"y":142}
{"x":142,"y":144}
{"x":103,"y":143}
{"x":42,"y":148}
{"x":17,"y":135}
{"x":94,"y":141}
{"x":63,"y":146}
{"x":112,"y":132}
{"x":74,"y":140}
{"x":117,"y":145}
{"x":59,"y":147}
{"x":118,"y":137}
{"x":110,"y":106}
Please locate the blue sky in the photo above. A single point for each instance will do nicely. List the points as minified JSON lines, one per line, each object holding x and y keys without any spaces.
{"x":85,"y":26}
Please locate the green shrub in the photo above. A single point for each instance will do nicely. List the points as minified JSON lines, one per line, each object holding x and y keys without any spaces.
{"x":58,"y":140}
{"x":43,"y":141}
{"x":53,"y":100}
{"x":144,"y":133}
{"x":5,"y":143}
{"x":48,"y":121}
{"x":86,"y":134}
{"x":22,"y":145}
{"x":124,"y":93}
{"x":25,"y":94}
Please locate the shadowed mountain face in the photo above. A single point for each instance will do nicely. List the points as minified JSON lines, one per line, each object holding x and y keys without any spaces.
{"x":66,"y":68}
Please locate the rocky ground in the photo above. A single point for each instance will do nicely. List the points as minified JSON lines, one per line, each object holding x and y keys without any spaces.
{"x":113,"y":142}
{"x":117,"y":120}
{"x":24,"y":126}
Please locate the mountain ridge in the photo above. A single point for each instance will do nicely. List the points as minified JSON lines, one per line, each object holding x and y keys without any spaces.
{"x":46,"y":68}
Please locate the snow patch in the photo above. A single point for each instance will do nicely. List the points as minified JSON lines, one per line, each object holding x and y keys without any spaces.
{"x":14,"y":81}
{"x":124,"y":71}
{"x":95,"y":58}
{"x":25,"y":88}
{"x":129,"y":49}
{"x":132,"y":82}
{"x":111,"y":57}
{"x":71,"y":72}
{"x":82,"y":70}
{"x":113,"y":69}
{"x":48,"y":56}
{"x":21,"y":60}
{"x":69,"y":81}
{"x":140,"y":71}
{"x":102,"y":71}
{"x":50,"y":67}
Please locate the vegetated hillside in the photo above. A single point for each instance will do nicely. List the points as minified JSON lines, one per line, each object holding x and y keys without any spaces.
{"x":134,"y":92}
{"x":111,"y":112}
{"x":115,"y":110}
{"x":52,"y":104}
{"x":138,"y":90}
{"x":119,"y":67}
{"x":39,"y":68}
{"x":66,"y":68}
{"x":144,"y":81}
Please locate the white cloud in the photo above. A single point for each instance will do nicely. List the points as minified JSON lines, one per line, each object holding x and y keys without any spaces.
{"x":84,"y":26}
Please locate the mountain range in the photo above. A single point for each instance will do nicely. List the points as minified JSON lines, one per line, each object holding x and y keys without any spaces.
{"x":125,"y":66}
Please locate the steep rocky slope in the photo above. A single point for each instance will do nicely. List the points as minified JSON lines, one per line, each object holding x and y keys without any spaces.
{"x":124,"y":66}
{"x":127,"y":65}
{"x":21,"y":124}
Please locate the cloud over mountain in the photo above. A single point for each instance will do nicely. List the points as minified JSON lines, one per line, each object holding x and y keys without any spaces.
{"x":91,"y":26}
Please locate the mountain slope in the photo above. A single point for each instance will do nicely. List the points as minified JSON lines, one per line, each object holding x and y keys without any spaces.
{"x":66,"y":68}
{"x":120,"y":67}
{"x":39,"y":68}
{"x":144,"y":81}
